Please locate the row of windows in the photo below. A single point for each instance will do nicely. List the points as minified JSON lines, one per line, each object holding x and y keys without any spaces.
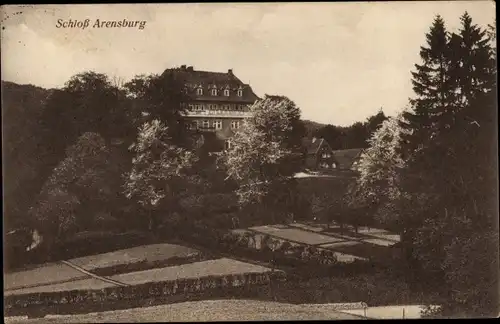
{"x":327,"y":165}
{"x":201,"y":107}
{"x":214,"y":92}
{"x":217,"y":124}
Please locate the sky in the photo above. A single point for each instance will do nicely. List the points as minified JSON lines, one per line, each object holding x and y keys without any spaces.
{"x":339,"y":62}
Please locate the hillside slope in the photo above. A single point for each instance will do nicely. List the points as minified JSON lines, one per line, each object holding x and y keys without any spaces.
{"x":22,"y":108}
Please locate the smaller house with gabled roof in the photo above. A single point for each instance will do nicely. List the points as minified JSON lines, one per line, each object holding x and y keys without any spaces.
{"x":348,"y":159}
{"x":318,"y":154}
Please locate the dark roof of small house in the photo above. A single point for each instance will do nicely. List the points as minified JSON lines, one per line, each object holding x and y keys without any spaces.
{"x":207,"y":80}
{"x":312,"y":145}
{"x":346,"y":158}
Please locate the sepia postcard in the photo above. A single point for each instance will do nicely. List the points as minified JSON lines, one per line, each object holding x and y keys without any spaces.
{"x":250,"y":161}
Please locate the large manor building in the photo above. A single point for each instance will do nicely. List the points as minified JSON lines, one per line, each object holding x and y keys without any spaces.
{"x":218,"y":103}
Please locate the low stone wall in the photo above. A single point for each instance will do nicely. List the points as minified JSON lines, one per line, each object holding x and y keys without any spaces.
{"x":314,"y":260}
{"x":14,"y":304}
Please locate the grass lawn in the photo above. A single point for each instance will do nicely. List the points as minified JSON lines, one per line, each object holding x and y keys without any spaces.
{"x":43,"y":275}
{"x":308,"y":227}
{"x":201,"y":311}
{"x":146,"y":253}
{"x":207,"y":268}
{"x":90,"y":284}
{"x":298,"y":235}
{"x":364,"y":250}
{"x":379,"y":242}
{"x":386,"y":236}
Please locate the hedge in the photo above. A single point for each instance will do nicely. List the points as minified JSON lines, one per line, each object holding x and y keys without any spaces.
{"x":209,"y":284}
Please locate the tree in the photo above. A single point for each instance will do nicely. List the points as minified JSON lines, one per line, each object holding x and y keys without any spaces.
{"x":356,"y":136}
{"x":160,"y":97}
{"x":378,"y":183}
{"x":23,"y":153}
{"x":265,"y":153}
{"x":374,"y":122}
{"x":87,"y":173}
{"x":161,"y":171}
{"x":87,"y":103}
{"x":54,"y":216}
{"x":451,"y":184}
{"x":432,"y":87}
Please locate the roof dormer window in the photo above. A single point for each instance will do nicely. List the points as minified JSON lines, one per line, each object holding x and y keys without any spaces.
{"x":214,"y":92}
{"x":226,"y":92}
{"x":199,"y":91}
{"x":240,"y":92}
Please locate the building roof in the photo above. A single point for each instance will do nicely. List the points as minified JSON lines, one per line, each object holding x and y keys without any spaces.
{"x":312,"y":145}
{"x":208,"y":80}
{"x":346,"y":158}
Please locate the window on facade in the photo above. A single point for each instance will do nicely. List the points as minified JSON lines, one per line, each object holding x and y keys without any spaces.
{"x":191,"y":107}
{"x":226,"y":92}
{"x":235,"y":124}
{"x":214,"y":92}
{"x":199,"y":91}
{"x":334,"y":166}
{"x":227,"y":144}
{"x":194,"y":125}
{"x":240,"y":93}
{"x":185,"y":90}
{"x":226,"y":107}
{"x":206,"y":124}
{"x":218,"y":124}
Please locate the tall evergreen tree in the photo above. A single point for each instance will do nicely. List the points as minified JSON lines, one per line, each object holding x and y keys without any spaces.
{"x":431,"y":86}
{"x":455,"y":172}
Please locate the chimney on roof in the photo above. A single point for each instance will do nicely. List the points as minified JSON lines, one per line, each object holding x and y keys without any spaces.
{"x":183,"y":67}
{"x":190,"y":68}
{"x":230,"y":71}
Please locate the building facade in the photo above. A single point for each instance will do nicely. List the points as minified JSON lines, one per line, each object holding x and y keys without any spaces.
{"x":319,"y":154}
{"x":218,"y":103}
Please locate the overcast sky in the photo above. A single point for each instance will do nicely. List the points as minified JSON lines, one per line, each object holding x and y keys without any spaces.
{"x":340,"y":62}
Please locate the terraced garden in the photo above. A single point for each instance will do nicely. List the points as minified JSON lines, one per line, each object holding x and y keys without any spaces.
{"x":347,"y":245}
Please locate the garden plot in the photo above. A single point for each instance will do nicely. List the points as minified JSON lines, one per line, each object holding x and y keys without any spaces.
{"x":339,"y":244}
{"x":379,"y":242}
{"x":371,"y":230}
{"x":84,"y":284}
{"x":386,"y":236}
{"x":307,"y":227}
{"x":44,"y":275}
{"x":146,"y":253}
{"x":293,"y":234}
{"x":219,"y":267}
{"x":364,"y":250}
